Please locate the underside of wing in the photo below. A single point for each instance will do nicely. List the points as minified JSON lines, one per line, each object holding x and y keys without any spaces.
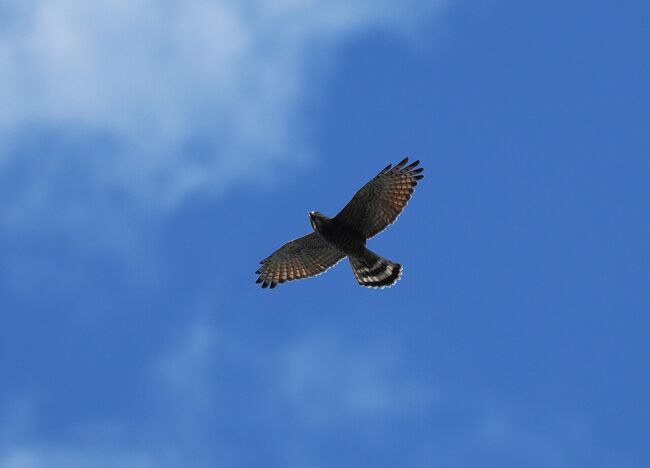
{"x":304,"y":257}
{"x":378,"y":203}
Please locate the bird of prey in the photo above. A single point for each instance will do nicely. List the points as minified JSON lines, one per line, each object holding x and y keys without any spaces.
{"x":372,"y":209}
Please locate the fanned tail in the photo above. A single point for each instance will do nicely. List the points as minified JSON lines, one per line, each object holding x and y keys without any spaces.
{"x":373,"y":271}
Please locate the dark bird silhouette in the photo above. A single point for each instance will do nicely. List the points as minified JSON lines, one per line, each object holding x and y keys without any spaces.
{"x":372,"y":209}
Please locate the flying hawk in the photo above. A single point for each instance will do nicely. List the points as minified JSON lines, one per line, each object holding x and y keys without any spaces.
{"x":372,"y":209}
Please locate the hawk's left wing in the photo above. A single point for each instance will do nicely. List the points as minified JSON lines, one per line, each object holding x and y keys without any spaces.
{"x":306,"y":256}
{"x":378,"y":203}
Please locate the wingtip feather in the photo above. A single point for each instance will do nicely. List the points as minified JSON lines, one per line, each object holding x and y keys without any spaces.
{"x":401,"y":163}
{"x":412,"y":165}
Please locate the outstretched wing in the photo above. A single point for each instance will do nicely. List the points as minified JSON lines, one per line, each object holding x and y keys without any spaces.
{"x":307,"y":256}
{"x":378,"y":203}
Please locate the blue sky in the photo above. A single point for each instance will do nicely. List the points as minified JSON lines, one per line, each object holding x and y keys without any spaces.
{"x":153,"y":152}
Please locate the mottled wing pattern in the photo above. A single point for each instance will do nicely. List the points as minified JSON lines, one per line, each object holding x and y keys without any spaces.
{"x":378,"y":203}
{"x":307,"y":256}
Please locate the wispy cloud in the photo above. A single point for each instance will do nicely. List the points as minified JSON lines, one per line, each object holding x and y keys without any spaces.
{"x":328,"y":380}
{"x":207,"y":390}
{"x":557,"y":439}
{"x":186,"y":370}
{"x":99,"y":446}
{"x":113,"y":113}
{"x":191,"y":96}
{"x":72,"y":457}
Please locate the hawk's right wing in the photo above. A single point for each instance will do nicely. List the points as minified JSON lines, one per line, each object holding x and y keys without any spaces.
{"x":378,"y":203}
{"x":306,"y":256}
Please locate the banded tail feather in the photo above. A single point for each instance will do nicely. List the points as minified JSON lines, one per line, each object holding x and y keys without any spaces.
{"x":373,"y":271}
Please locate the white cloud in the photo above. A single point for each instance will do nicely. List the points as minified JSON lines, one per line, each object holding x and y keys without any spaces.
{"x":16,"y":419}
{"x":72,"y":457}
{"x":329,"y":381}
{"x":164,"y":78}
{"x":98,"y":445}
{"x":186,"y":369}
{"x":323,"y":378}
{"x":113,"y":112}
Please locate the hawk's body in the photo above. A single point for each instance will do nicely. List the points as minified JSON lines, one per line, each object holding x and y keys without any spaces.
{"x":345,"y":238}
{"x":372,"y":209}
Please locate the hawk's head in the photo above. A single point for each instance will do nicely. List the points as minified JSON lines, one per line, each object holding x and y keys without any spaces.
{"x":317,"y":220}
